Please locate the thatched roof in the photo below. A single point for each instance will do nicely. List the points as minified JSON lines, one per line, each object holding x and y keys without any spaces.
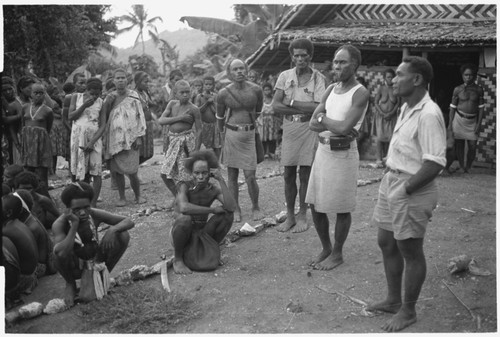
{"x":382,"y":34}
{"x":400,"y":34}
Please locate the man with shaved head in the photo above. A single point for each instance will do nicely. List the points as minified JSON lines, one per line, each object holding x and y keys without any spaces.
{"x":180,"y":116}
{"x":241,"y":100}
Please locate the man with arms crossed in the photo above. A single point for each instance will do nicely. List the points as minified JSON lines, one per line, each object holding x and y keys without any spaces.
{"x":298,"y":93}
{"x":408,"y":191}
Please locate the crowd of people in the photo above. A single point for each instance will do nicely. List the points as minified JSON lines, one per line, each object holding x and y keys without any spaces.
{"x":96,"y":125}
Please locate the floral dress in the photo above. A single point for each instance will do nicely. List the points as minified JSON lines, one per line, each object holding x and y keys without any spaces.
{"x":82,"y":132}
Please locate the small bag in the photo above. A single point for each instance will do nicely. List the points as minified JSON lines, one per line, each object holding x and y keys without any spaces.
{"x":94,"y":283}
{"x":259,"y":148}
{"x":202,"y":252}
{"x":340,"y":143}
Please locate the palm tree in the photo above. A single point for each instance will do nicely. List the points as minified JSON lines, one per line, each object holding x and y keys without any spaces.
{"x":139,"y":18}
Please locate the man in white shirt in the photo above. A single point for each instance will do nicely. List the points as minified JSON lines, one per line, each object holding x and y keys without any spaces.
{"x":408,"y":191}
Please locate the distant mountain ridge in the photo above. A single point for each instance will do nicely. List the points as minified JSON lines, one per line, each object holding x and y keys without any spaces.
{"x":188,"y":41}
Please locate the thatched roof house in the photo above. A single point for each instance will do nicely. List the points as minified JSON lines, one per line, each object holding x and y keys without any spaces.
{"x":448,"y":35}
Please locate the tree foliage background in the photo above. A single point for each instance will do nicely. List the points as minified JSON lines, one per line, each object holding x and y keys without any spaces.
{"x":53,"y":40}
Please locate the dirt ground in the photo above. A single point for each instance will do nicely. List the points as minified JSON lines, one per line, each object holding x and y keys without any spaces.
{"x":265,"y":285}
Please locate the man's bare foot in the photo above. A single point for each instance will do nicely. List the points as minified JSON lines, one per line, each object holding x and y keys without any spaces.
{"x":237,"y":217}
{"x":69,"y":295}
{"x":257,"y":214}
{"x":400,"y":321}
{"x":285,"y":226}
{"x":301,"y":225}
{"x":140,"y":200}
{"x":321,"y":256}
{"x":331,"y":261}
{"x":385,"y":306}
{"x":121,"y":203}
{"x":180,"y":267}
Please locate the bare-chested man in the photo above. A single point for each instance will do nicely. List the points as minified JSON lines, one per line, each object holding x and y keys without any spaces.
{"x":298,"y":93}
{"x":194,"y":204}
{"x":206,"y":101}
{"x":180,"y":116}
{"x":386,"y":108}
{"x":76,"y":236}
{"x":466,"y":114}
{"x":243,"y":99}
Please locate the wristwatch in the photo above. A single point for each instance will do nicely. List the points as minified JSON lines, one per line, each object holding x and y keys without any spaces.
{"x":320,"y":119}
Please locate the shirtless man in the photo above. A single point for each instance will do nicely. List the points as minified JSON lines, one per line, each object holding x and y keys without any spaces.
{"x":194,"y":204}
{"x":386,"y":108}
{"x":180,"y":116}
{"x":42,"y":238}
{"x":243,"y":99}
{"x":44,"y":209}
{"x":466,"y":115}
{"x":19,"y":249}
{"x":210,"y":134}
{"x":75,"y":236}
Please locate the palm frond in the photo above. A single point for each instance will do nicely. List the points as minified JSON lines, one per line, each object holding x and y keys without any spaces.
{"x":213,"y":25}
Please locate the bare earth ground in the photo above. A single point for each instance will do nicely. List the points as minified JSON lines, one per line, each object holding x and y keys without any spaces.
{"x":265,"y":274}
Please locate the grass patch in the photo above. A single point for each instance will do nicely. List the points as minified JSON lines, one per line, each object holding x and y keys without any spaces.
{"x":137,"y":308}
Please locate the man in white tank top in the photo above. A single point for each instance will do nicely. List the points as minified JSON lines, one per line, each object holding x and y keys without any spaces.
{"x":333,"y":181}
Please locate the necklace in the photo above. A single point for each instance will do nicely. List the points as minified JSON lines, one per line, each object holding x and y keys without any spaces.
{"x":31,"y":111}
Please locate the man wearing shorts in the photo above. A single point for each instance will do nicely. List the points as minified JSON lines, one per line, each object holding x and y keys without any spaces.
{"x":408,"y":191}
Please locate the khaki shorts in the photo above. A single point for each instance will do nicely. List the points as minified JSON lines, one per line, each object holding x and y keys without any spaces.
{"x":405,"y":215}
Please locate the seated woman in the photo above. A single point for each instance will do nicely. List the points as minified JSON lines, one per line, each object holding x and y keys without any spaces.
{"x":44,"y":208}
{"x":42,"y":237}
{"x":76,"y":238}
{"x":192,"y":229}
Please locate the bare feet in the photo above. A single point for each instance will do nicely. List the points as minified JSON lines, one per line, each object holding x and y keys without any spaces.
{"x":257,"y":214}
{"x":121,"y":203}
{"x":171,"y":207}
{"x":69,"y":294}
{"x":385,"y":306}
{"x":237,"y":217}
{"x":140,"y":200}
{"x":400,"y":321}
{"x":285,"y":226}
{"x":301,"y":225}
{"x":323,"y":255}
{"x":331,"y":261}
{"x":180,"y":267}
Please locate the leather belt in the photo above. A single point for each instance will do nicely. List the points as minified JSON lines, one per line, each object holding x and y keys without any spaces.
{"x":461,"y":114}
{"x":298,"y":118}
{"x":247,"y":127}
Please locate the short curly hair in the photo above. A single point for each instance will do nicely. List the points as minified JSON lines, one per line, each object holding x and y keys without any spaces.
{"x":301,"y":44}
{"x":26,"y":177}
{"x":203,"y":155}
{"x":77,"y":190}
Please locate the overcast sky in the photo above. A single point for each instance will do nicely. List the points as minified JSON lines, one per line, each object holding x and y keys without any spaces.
{"x":170,"y":12}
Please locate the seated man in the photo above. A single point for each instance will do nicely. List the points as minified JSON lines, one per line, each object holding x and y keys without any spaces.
{"x":19,"y":250}
{"x":44,"y":208}
{"x":194,"y":204}
{"x":42,"y":237}
{"x":75,"y":234}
